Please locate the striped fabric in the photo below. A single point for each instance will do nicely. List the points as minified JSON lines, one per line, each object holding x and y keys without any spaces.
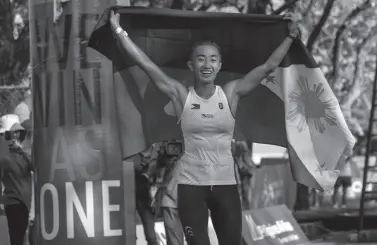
{"x":207,"y":127}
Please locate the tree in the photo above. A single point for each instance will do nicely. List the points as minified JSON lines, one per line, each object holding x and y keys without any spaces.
{"x":340,"y":34}
{"x":342,"y":50}
{"x":14,"y":42}
{"x":314,"y":35}
{"x":342,"y":47}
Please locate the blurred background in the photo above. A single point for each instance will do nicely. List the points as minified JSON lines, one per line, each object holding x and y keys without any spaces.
{"x":340,"y":34}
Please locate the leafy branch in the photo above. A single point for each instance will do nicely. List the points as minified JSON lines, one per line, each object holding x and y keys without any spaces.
{"x":287,"y":5}
{"x":335,"y":51}
{"x":317,"y":29}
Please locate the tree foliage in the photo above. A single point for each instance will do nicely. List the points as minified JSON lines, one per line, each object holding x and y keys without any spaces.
{"x":345,"y":50}
{"x":341,"y":35}
{"x":14,"y":42}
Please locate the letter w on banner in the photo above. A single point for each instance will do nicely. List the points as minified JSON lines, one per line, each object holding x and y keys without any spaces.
{"x":293,"y":107}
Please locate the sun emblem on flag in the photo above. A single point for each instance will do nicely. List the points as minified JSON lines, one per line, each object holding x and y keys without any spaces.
{"x":310,"y":109}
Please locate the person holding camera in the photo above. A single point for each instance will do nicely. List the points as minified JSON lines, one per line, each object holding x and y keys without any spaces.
{"x":143,"y":164}
{"x":241,"y":151}
{"x":17,"y":168}
{"x":165,"y":201}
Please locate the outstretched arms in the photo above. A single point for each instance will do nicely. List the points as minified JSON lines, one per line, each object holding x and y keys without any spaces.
{"x":241,"y":87}
{"x":169,"y":86}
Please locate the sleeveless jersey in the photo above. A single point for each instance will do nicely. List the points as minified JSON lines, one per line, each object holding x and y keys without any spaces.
{"x":207,"y":127}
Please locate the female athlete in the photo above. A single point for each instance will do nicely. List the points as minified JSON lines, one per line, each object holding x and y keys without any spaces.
{"x":206,"y":111}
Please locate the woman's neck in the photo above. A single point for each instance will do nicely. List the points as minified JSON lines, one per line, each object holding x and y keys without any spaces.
{"x":205,"y":91}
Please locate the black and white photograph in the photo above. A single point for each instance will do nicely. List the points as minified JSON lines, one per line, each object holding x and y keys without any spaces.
{"x":188,"y":122}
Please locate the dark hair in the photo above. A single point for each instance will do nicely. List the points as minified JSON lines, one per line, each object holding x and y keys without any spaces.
{"x":204,"y":42}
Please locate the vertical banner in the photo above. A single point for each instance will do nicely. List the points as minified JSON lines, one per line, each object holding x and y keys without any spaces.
{"x":273,"y":184}
{"x":79,"y":177}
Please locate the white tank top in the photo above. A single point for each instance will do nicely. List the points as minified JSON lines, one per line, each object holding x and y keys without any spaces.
{"x":207,"y":127}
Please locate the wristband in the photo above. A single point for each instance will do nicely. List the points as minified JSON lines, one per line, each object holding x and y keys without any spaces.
{"x":119,"y":31}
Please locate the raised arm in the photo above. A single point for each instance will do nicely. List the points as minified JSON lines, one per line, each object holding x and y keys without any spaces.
{"x":28,"y":160}
{"x":16,"y":148}
{"x":164,"y":83}
{"x":243,"y":86}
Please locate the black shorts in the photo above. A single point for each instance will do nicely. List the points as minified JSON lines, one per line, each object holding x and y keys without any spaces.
{"x":343,"y":181}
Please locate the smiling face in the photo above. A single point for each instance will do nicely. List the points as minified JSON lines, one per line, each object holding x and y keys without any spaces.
{"x":205,"y":62}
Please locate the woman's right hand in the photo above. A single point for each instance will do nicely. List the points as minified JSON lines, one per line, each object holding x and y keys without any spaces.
{"x":114,"y":20}
{"x":15,"y":146}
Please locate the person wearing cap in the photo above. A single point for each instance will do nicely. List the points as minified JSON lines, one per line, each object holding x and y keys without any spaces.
{"x":165,"y":200}
{"x":17,"y":168}
{"x":24,"y":111}
{"x":241,"y":151}
{"x":344,"y":181}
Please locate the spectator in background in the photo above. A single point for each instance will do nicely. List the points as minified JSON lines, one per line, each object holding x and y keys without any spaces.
{"x":345,"y":181}
{"x":316,"y":198}
{"x":152,"y":3}
{"x":17,"y":170}
{"x":141,"y":3}
{"x":143,"y":198}
{"x":245,"y":166}
{"x":161,"y":3}
{"x":23,"y":110}
{"x":224,"y":6}
{"x":165,"y":201}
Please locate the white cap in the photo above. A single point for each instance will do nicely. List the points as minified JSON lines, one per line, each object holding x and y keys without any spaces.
{"x":7,"y":122}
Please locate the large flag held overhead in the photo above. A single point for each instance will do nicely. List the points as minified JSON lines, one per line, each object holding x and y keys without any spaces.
{"x":293,"y":107}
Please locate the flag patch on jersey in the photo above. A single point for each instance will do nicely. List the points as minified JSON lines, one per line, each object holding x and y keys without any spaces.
{"x":195,"y":106}
{"x":221,"y":106}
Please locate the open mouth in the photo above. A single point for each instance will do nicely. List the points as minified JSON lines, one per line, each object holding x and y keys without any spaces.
{"x":206,"y":73}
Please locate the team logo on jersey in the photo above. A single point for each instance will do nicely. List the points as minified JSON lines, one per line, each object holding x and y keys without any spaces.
{"x":207,"y":115}
{"x":195,"y":106}
{"x":221,"y":106}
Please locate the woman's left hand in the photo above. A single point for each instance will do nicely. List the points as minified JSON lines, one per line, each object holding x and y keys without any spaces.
{"x":293,"y":25}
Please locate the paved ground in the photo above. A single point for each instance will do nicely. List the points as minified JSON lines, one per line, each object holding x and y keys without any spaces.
{"x":338,"y":225}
